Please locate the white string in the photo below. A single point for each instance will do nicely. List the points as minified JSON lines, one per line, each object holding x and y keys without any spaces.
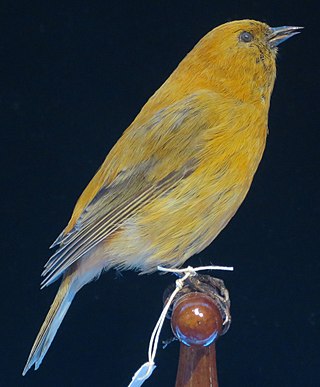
{"x":145,"y":371}
{"x":195,"y":269}
{"x":156,"y":332}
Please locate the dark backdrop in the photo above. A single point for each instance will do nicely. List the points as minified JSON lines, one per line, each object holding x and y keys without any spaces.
{"x":73,"y":76}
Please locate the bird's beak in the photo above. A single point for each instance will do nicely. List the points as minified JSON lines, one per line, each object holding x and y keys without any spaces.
{"x":280,"y":34}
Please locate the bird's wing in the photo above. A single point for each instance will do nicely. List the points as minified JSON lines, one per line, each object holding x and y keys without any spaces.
{"x":147,"y":162}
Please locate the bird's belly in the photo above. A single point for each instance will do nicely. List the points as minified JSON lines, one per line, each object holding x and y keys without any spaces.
{"x":174,"y":227}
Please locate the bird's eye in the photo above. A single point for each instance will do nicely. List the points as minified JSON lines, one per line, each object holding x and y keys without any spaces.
{"x":245,"y":37}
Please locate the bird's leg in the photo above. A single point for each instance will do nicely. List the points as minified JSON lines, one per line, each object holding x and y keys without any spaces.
{"x":213,"y":287}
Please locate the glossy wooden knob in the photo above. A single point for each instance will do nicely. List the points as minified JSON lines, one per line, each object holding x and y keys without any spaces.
{"x":196,"y":320}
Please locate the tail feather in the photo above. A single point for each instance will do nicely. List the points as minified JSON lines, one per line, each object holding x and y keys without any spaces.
{"x":51,"y":324}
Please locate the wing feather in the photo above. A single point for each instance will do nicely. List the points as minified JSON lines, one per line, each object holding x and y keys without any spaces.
{"x":97,"y":231}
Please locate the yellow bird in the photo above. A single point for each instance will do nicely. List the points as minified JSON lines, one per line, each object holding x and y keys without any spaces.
{"x":178,"y":173}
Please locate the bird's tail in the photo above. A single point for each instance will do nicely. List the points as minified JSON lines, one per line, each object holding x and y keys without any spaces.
{"x":51,"y":324}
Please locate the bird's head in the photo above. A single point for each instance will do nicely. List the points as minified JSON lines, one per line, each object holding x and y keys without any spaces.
{"x":239,"y":57}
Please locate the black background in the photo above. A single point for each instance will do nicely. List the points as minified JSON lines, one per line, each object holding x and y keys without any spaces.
{"x":73,"y":76}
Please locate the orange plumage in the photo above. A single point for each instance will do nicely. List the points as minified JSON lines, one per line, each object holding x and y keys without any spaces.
{"x":178,"y":173}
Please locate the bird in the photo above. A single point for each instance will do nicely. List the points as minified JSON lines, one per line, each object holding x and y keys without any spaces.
{"x":178,"y":173}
